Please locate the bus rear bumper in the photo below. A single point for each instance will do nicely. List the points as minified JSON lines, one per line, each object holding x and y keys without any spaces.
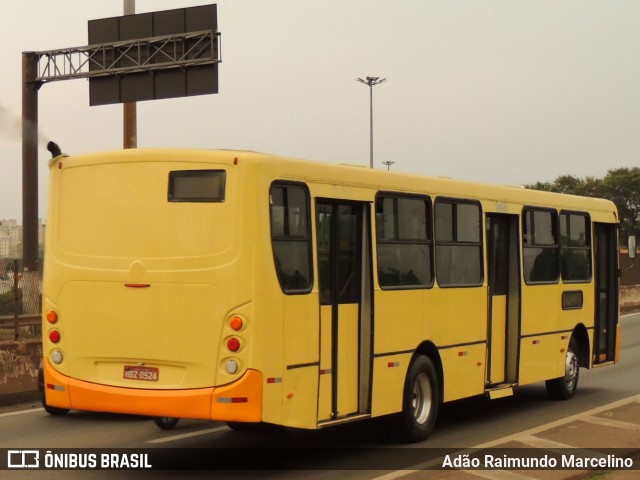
{"x":240,"y":401}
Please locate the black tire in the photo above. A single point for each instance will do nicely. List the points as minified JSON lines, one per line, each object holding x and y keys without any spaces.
{"x":420,"y":402}
{"x":166,"y":423}
{"x":54,"y":410}
{"x":563,"y":388}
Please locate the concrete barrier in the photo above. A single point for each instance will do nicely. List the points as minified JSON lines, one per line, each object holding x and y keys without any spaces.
{"x":629,"y":298}
{"x":19,"y":362}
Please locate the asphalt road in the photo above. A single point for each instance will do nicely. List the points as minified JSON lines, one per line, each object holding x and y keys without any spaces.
{"x":461,"y":424}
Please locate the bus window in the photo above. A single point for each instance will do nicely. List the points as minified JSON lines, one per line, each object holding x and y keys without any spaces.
{"x":575,"y":247}
{"x":458,"y":243}
{"x":196,"y":186}
{"x":540,"y":241}
{"x":291,"y":236}
{"x":404,"y":241}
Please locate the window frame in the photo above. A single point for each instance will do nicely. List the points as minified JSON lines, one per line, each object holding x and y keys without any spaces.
{"x":429,"y":241}
{"x":307,"y":239}
{"x":173,"y":174}
{"x":457,"y":243}
{"x":568,"y":247}
{"x":555,"y":225}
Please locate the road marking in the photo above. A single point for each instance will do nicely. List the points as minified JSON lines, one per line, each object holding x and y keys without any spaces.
{"x":611,"y":423}
{"x":558,"y":423}
{"x":22,"y":412}
{"x":188,"y":435}
{"x":516,"y":437}
{"x":538,"y":442}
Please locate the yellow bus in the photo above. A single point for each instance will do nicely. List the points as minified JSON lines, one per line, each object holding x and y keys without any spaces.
{"x":254,"y":289}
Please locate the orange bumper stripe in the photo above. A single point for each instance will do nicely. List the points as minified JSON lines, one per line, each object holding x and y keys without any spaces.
{"x":205,"y":403}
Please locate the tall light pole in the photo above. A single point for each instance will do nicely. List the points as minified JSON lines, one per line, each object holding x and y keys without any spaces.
{"x":371,"y":82}
{"x":388,"y":163}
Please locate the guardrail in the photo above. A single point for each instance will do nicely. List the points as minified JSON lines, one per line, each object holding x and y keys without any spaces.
{"x":22,"y":327}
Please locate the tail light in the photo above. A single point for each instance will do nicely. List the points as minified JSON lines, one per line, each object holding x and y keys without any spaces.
{"x":233,"y":344}
{"x":52,"y":316}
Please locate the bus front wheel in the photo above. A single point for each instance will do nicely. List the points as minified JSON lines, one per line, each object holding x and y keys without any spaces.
{"x":563,"y":388}
{"x":420,"y":402}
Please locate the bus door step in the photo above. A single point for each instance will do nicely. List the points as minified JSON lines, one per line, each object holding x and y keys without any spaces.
{"x":347,"y":419}
{"x":499,"y":391}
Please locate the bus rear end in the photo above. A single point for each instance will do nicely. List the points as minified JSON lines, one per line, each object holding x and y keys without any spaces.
{"x":145,"y":310}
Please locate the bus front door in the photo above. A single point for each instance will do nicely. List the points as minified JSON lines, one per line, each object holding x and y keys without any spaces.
{"x":343,"y":234}
{"x":606,"y":276}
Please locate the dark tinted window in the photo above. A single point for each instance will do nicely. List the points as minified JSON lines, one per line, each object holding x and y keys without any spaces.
{"x":196,"y":186}
{"x":540,"y":241}
{"x":291,"y":236}
{"x":404,"y":242}
{"x":458,"y":243}
{"x":575,"y":247}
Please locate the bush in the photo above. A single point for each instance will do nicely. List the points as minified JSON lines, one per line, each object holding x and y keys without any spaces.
{"x":7,"y":307}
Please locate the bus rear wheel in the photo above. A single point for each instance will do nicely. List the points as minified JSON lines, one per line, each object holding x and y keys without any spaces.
{"x":563,"y":388}
{"x":420,"y":402}
{"x":165,"y":423}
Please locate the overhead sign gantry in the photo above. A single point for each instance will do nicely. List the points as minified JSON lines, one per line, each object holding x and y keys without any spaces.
{"x":147,"y":56}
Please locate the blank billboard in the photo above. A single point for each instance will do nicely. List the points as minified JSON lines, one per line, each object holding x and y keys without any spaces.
{"x":162,"y":82}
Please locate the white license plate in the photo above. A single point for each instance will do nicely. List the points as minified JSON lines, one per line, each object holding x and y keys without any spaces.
{"x":148,"y":374}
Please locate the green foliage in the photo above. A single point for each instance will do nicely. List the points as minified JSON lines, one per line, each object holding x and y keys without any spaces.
{"x":6,"y":304}
{"x":620,"y":185}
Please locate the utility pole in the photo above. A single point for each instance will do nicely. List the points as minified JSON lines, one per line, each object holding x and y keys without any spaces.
{"x":371,"y":82}
{"x":129,"y":110}
{"x":30,"y":87}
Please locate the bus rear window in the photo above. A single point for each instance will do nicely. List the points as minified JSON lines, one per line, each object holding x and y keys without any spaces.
{"x":196,"y":186}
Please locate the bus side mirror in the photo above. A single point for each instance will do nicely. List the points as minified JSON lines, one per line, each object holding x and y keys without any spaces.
{"x":632,"y":246}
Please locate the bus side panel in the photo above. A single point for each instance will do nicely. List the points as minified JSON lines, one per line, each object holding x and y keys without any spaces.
{"x":301,"y":340}
{"x":541,"y":305}
{"x":456,"y":321}
{"x":464,"y":371}
{"x":455,"y":316}
{"x":389,"y":373}
{"x":541,"y":358}
{"x":398,"y":316}
{"x":583,"y":313}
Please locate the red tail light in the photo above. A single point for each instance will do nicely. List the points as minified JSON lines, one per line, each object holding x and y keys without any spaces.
{"x":233,"y":344}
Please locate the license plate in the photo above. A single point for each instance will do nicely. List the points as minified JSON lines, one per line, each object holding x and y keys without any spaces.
{"x":148,"y":374}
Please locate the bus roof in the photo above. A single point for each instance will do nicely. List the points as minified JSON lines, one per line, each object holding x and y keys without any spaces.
{"x":358,"y":176}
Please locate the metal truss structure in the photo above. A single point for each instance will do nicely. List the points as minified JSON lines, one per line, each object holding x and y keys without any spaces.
{"x":140,"y":55}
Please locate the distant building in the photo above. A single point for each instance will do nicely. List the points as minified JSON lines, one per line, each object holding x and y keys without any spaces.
{"x":11,"y":238}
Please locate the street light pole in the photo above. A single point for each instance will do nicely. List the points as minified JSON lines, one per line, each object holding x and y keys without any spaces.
{"x":371,"y":82}
{"x":388,"y":163}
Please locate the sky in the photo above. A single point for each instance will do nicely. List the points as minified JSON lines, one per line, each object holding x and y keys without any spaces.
{"x":509,"y":92}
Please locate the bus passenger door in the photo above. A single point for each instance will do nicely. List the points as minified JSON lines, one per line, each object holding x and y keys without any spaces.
{"x":343,"y":234}
{"x":606,"y":276}
{"x":504,"y":291}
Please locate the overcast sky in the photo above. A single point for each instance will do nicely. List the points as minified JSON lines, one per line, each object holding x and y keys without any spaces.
{"x":510,"y":91}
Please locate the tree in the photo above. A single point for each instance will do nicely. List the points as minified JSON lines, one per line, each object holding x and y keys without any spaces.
{"x":620,"y":185}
